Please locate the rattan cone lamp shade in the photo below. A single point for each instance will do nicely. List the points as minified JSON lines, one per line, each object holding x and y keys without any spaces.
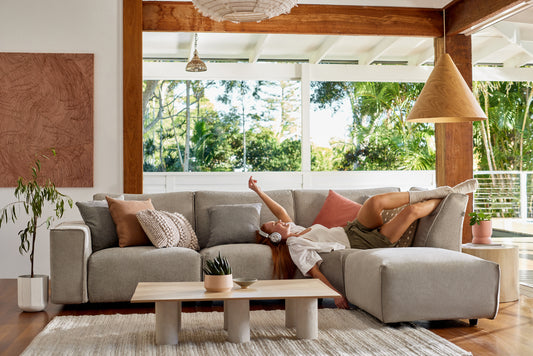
{"x":243,"y":10}
{"x":446,"y":97}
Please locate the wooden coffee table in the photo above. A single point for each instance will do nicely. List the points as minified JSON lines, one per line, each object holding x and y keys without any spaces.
{"x":301,"y":305}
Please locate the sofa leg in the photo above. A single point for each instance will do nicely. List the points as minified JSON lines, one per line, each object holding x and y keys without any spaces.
{"x":473,"y":322}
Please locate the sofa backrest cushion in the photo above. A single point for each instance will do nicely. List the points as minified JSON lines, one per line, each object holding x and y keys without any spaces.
{"x":308,"y":202}
{"x":174,"y":202}
{"x":207,"y":199}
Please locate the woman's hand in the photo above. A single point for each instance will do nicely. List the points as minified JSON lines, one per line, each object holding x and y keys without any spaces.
{"x":252,"y":184}
{"x":341,"y":303}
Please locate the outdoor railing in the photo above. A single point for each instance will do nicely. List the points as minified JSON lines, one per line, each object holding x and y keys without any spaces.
{"x":505,"y":194}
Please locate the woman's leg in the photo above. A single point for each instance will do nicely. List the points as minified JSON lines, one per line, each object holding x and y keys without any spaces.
{"x":370,"y":213}
{"x":395,"y":228}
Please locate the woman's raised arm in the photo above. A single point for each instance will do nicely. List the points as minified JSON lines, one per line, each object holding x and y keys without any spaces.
{"x":274,"y":207}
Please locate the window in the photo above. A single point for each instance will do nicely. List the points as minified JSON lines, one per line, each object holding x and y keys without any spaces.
{"x":221,"y":125}
{"x":361,"y":126}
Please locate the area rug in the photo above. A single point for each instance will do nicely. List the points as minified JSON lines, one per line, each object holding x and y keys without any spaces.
{"x":341,"y":332}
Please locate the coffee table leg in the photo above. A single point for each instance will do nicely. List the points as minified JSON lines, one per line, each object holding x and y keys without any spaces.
{"x":167,"y":322}
{"x":304,"y":315}
{"x":237,"y":313}
{"x":290,"y":313}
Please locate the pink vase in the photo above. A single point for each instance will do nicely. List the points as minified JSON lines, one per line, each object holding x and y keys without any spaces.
{"x":482,"y":232}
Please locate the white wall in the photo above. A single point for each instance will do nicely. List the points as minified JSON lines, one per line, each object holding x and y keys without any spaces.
{"x":69,"y":26}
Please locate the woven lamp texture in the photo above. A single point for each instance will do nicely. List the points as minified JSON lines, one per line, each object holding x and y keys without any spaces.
{"x":243,"y":10}
{"x":446,"y":98}
{"x":196,"y":64}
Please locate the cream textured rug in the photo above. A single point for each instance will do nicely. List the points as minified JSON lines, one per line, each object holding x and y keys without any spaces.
{"x":341,"y":332}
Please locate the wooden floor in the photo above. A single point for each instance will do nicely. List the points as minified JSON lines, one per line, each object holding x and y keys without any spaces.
{"x":511,"y":333}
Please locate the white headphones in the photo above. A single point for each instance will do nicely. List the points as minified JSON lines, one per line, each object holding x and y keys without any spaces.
{"x":274,"y":237}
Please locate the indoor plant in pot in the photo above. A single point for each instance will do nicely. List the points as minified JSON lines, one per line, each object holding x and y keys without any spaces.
{"x":217,"y":275}
{"x":481,"y":227}
{"x":33,"y":195}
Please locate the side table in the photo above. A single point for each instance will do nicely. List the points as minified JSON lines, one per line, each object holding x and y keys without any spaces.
{"x":507,"y":257}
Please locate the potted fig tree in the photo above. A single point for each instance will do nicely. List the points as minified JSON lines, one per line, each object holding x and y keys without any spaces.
{"x":481,"y":227}
{"x":217,"y":275}
{"x":32,"y":196}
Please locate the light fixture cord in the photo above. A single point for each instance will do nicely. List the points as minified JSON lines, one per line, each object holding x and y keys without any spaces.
{"x":195,"y":41}
{"x":444,"y":26}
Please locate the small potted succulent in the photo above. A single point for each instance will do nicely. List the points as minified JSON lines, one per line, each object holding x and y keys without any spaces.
{"x":217,"y":275}
{"x":481,"y":227}
{"x":32,"y":195}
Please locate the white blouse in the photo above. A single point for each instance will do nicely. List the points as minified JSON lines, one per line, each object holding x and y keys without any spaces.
{"x":304,"y":249}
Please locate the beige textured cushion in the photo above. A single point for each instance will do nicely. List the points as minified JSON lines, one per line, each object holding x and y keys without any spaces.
{"x":407,"y":238}
{"x":129,"y":231}
{"x":166,"y":229}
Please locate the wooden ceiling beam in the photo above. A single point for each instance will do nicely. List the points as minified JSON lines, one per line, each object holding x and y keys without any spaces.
{"x":463,"y":15}
{"x":303,"y":19}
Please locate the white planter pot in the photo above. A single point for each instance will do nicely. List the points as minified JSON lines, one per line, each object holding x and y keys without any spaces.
{"x":32,"y":292}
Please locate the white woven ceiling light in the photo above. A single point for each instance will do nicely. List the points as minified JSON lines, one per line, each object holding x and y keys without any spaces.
{"x":243,"y":10}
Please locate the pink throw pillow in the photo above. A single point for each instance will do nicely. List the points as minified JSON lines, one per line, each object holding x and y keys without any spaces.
{"x":337,"y":211}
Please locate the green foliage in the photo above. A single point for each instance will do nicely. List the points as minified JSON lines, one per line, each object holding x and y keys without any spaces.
{"x":33,"y":195}
{"x":217,"y":266}
{"x":476,"y":217}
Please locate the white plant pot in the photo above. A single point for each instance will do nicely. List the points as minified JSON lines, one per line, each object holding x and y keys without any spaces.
{"x":32,"y":292}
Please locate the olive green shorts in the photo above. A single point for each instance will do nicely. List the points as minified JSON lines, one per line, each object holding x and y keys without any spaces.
{"x":364,"y":238}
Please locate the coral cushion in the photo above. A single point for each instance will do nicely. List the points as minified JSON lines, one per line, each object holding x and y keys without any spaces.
{"x":129,"y":231}
{"x":337,"y":211}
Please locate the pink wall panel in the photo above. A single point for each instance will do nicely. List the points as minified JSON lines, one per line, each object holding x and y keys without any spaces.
{"x":47,"y":100}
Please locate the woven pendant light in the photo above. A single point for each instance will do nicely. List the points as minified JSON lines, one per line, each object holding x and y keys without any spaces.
{"x":243,"y":10}
{"x":196,"y":64}
{"x":446,"y":97}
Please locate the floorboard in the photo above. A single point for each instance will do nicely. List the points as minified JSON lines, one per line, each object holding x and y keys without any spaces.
{"x":508,"y":334}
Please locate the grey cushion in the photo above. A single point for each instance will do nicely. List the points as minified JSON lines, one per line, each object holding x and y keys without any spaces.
{"x":443,"y":228}
{"x":96,"y":215}
{"x":113,"y":273}
{"x":205,"y":199}
{"x":246,"y":260}
{"x":235,"y":223}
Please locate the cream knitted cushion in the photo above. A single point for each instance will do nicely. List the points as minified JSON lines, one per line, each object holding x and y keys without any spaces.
{"x":407,"y":238}
{"x":166,"y":229}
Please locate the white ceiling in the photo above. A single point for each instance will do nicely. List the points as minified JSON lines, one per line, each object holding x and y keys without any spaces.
{"x":508,"y":43}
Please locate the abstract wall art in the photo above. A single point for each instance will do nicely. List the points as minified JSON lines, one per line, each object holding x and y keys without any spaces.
{"x":47,"y":101}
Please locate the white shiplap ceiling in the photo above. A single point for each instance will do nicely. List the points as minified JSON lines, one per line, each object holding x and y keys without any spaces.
{"x":508,"y":43}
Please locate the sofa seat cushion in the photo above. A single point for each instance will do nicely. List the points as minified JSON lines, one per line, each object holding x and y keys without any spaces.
{"x":424,"y":283}
{"x":246,"y":260}
{"x":113,"y":273}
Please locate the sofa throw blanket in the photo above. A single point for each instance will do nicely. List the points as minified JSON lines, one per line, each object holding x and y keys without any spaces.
{"x":166,"y":229}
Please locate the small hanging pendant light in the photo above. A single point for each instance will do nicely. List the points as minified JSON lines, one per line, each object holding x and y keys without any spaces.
{"x":196,"y":64}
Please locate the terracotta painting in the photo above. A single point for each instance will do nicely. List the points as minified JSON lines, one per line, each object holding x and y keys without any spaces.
{"x":46,"y":101}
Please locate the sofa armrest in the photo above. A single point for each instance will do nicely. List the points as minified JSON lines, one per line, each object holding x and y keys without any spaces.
{"x":444,"y":227}
{"x":70,"y":248}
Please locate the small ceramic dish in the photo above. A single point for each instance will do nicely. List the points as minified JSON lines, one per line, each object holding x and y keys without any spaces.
{"x":244,"y":282}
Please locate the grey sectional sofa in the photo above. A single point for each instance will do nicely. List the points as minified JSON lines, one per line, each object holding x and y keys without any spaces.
{"x":431,"y":280}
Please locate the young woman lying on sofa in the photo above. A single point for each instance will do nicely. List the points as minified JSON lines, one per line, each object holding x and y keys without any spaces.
{"x":366,"y":231}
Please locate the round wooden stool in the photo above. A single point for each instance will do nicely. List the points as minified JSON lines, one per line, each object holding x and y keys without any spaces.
{"x":507,"y":257}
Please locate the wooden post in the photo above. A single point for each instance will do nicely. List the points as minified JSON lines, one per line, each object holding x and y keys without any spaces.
{"x":454,"y":142}
{"x":132,"y":97}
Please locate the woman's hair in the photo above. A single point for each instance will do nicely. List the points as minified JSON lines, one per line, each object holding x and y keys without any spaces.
{"x":284,"y":268}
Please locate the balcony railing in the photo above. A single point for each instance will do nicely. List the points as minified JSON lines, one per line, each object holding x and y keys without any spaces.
{"x":505,"y":194}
